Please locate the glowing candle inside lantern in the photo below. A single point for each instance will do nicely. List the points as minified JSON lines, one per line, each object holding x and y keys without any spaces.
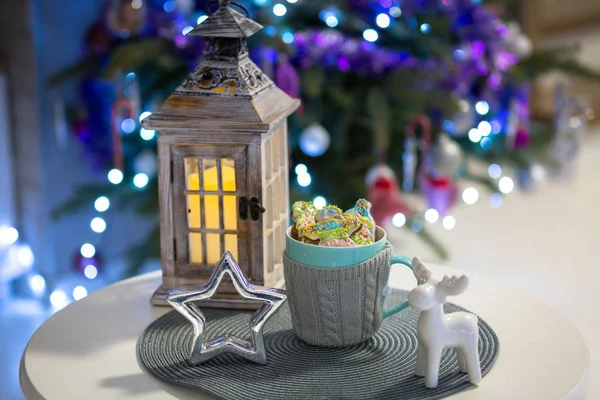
{"x":212,"y":211}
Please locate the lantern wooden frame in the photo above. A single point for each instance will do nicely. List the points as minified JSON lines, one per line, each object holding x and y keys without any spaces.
{"x":235,"y":119}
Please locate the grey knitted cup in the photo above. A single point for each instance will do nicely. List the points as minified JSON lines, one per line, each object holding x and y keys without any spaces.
{"x":336,"y":307}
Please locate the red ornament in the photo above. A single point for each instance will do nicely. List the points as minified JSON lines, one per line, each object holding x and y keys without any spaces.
{"x":384,"y":194}
{"x":441,"y":192}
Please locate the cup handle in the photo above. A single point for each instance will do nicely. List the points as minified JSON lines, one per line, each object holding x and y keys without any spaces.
{"x":396,"y":309}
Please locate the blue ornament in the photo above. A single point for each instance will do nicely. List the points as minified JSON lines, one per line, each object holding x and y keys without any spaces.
{"x":314,"y":140}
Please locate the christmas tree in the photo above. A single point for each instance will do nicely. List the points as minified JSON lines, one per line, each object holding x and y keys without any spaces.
{"x":396,"y":96}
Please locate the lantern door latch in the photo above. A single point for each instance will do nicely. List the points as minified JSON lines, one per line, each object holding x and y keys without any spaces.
{"x":256,"y":209}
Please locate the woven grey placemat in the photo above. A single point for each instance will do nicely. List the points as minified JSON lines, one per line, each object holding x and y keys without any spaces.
{"x":380,"y":368}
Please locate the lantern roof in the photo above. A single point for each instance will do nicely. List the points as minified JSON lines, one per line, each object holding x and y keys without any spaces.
{"x":226,"y":22}
{"x":227,"y":85}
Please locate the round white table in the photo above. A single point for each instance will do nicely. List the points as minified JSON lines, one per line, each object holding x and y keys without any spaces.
{"x":88,"y":350}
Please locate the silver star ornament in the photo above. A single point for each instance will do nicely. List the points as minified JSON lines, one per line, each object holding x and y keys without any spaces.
{"x":252,"y":350}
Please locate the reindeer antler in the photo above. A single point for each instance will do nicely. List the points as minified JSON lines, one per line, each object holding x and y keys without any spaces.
{"x":421,"y":272}
{"x":451,"y":286}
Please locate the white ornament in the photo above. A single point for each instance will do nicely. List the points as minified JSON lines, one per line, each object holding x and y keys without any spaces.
{"x":314,"y":140}
{"x":437,"y":331}
{"x":516,"y":41}
{"x":462,"y":121}
{"x":146,"y":163}
{"x":445,"y":158}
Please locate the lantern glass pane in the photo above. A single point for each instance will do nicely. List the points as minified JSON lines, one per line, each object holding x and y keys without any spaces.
{"x":211,"y":211}
{"x":191,"y":173}
{"x":195,"y":244}
{"x":228,"y":174}
{"x":213,"y":248}
{"x":194,"y":213}
{"x":209,"y":167}
{"x":230,"y":212}
{"x":231,"y":244}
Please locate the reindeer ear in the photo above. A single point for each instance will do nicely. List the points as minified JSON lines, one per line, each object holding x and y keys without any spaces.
{"x":421,"y":272}
{"x":452,"y":286}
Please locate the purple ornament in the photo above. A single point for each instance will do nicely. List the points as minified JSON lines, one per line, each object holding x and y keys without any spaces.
{"x":522,"y":138}
{"x":286,"y":77}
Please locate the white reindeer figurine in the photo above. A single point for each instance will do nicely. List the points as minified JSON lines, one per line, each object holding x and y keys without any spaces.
{"x":437,"y":330}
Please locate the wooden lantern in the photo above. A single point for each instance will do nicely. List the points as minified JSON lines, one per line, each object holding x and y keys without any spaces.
{"x":223,"y":165}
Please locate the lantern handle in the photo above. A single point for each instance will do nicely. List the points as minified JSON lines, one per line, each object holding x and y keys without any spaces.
{"x":225,"y":3}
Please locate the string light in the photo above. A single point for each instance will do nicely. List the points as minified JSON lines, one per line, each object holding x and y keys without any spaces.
{"x":136,"y":4}
{"x":279,"y":10}
{"x":331,"y":21}
{"x":432,"y":215}
{"x":187,"y":30}
{"x":494,"y":171}
{"x":169,"y":6}
{"x":90,"y":271}
{"x":98,"y":225}
{"x":102,"y":204}
{"x":141,"y":180}
{"x":301,"y":169}
{"x":271,"y":30}
{"x":261,"y":3}
{"x":115,"y":176}
{"x":287,"y":37}
{"x":382,"y":20}
{"x":395,"y":12}
{"x":485,"y":128}
{"x":88,"y":250}
{"x":145,"y":114}
{"x":398,"y":220}
{"x":496,"y":200}
{"x":496,"y":126}
{"x":486,"y":143}
{"x":449,"y":222}
{"x":292,"y":1}
{"x":59,"y":299}
{"x":474,"y":135}
{"x":470,"y":195}
{"x":25,"y":256}
{"x":506,"y":185}
{"x":417,"y":226}
{"x":128,"y":125}
{"x":370,"y":35}
{"x":482,"y":107}
{"x":79,"y":292}
{"x":425,"y":28}
{"x":147,"y":134}
{"x":319,"y":202}
{"x":8,"y":235}
{"x":37,"y":283}
{"x":201,"y":19}
{"x":304,"y":179}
